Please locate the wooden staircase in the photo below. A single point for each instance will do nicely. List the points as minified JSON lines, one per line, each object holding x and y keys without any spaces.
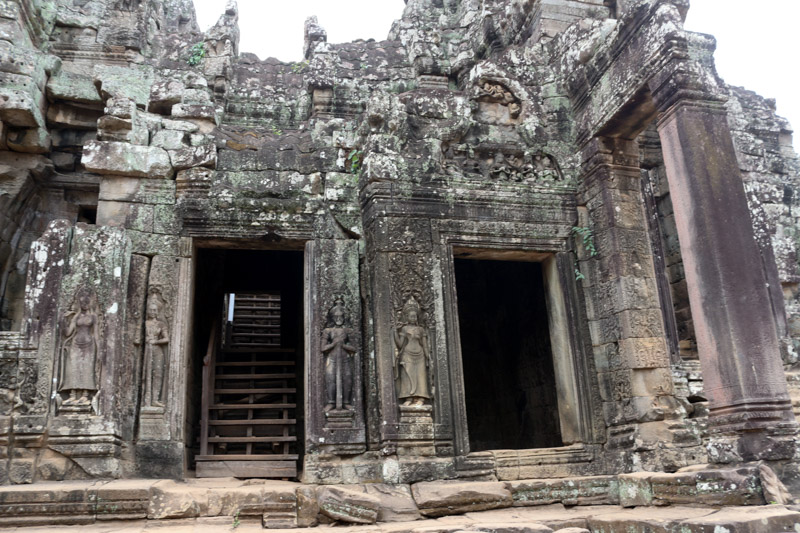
{"x":249,"y":424}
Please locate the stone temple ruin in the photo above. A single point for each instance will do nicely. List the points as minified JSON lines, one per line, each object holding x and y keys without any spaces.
{"x":516,"y":240}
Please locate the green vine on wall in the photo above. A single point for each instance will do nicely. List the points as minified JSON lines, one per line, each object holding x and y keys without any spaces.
{"x":587,"y":239}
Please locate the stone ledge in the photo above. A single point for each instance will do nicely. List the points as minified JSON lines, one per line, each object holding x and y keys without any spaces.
{"x":546,"y":519}
{"x":285,"y":504}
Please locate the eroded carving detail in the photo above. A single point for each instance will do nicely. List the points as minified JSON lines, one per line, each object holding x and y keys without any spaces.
{"x":493,"y":92}
{"x":9,"y":399}
{"x":79,"y":372}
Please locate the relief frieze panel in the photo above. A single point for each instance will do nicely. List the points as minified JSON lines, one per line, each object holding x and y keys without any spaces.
{"x":501,"y":164}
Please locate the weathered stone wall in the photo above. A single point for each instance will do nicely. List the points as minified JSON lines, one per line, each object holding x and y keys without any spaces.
{"x":493,"y":129}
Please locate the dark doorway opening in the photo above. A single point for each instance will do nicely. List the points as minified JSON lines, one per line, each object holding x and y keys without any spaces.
{"x":246,"y":386}
{"x":509,"y":379}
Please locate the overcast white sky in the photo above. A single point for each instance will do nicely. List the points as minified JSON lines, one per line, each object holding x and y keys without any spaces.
{"x":757,"y":43}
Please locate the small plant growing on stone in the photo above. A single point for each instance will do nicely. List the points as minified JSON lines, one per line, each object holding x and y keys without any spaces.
{"x":276,"y":131}
{"x":587,"y":237}
{"x":355,"y":160}
{"x":196,"y":54}
{"x":297,"y":68}
{"x":236,"y":522}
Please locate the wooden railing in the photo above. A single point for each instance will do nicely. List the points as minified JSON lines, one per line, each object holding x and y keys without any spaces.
{"x":209,"y":368}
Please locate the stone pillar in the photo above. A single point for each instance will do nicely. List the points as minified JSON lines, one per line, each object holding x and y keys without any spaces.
{"x":624,"y":314}
{"x":728,"y":289}
{"x":334,"y":406}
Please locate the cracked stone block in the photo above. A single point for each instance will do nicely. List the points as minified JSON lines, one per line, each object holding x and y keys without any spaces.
{"x":449,"y":498}
{"x":194,"y":156}
{"x":177,"y":500}
{"x":347,"y":505}
{"x":73,"y":87}
{"x":126,"y":159}
{"x":635,"y":489}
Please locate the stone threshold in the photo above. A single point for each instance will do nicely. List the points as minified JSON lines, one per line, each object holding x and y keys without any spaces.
{"x":385,"y":508}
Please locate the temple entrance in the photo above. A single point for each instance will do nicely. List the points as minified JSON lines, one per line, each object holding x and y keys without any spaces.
{"x":507,"y":358}
{"x":249,"y":355}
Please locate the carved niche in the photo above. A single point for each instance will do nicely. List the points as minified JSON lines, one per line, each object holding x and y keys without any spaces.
{"x":412,"y":332}
{"x":497,"y":104}
{"x":156,"y":351}
{"x":9,"y":398}
{"x":79,"y":368}
{"x":338,"y":350}
{"x":413,"y":356}
{"x":501,"y":164}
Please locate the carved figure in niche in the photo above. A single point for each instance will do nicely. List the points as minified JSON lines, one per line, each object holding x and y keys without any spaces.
{"x":494,"y":92}
{"x":9,"y":399}
{"x":338,"y":354}
{"x":156,"y":350}
{"x":80,"y":328}
{"x":499,"y":169}
{"x":544,"y":167}
{"x":517,"y":164}
{"x":472,"y":166}
{"x":413,"y":359}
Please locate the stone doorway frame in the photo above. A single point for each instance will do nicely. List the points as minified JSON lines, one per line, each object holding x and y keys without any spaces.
{"x":579,"y":408}
{"x":192,"y":351}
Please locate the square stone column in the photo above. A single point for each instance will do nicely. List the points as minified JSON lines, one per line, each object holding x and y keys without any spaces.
{"x":625,"y":317}
{"x":728,"y":289}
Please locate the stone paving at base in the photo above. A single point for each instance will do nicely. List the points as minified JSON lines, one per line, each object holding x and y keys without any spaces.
{"x":547,"y":519}
{"x":630,"y":503}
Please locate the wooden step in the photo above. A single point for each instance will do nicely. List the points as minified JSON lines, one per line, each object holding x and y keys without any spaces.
{"x":252,"y":439}
{"x":259,"y":335}
{"x":255,"y":376}
{"x":256,"y":391}
{"x":254,"y":457}
{"x":231,"y":406}
{"x":254,"y":422}
{"x":256,"y":363}
{"x":269,"y":349}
